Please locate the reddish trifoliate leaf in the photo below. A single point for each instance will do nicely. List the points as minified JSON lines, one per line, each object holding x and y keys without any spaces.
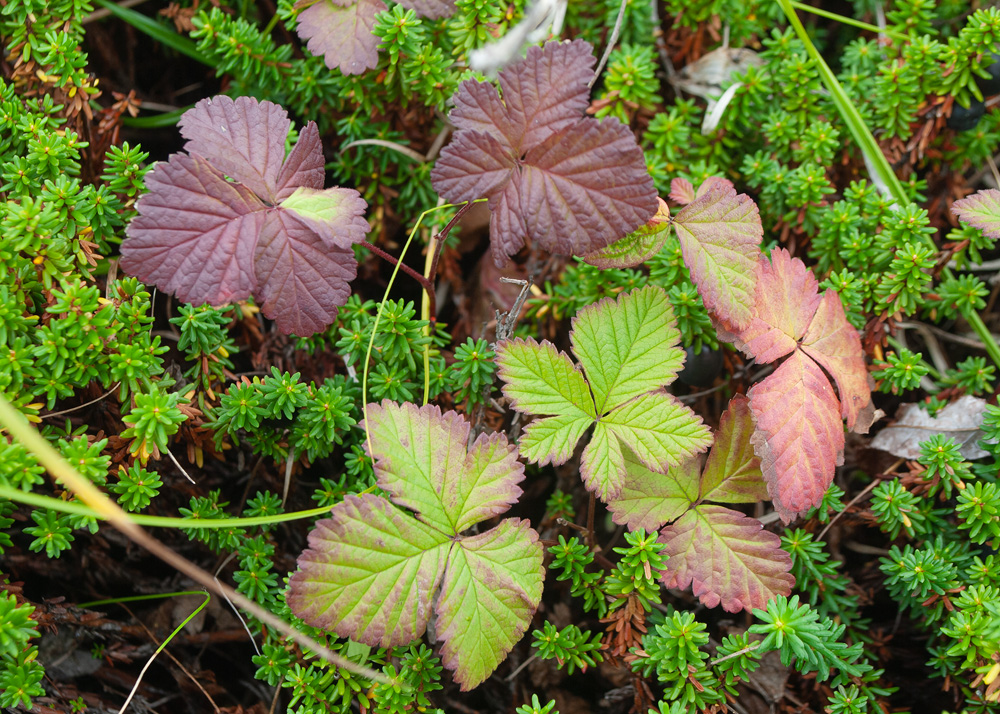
{"x":787,"y":297}
{"x":982,"y":210}
{"x":799,"y":453}
{"x":638,"y":246}
{"x":491,"y":588}
{"x":369,"y":573}
{"x":732,"y":472}
{"x":833,"y":342}
{"x":650,"y":498}
{"x":425,"y":463}
{"x":727,"y":558}
{"x":800,"y":435}
{"x":628,"y":351}
{"x":571,"y":183}
{"x":340,"y":31}
{"x":236,"y":219}
{"x":681,"y":191}
{"x":720,"y":234}
{"x":376,"y":574}
{"x":245,"y":140}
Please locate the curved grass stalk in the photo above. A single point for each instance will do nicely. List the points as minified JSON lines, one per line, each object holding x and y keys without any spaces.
{"x":875,"y":159}
{"x":17,"y":425}
{"x":81,"y":509}
{"x":163,"y":645}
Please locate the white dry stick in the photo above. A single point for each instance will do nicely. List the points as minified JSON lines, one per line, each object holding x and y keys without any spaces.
{"x":543,"y":17}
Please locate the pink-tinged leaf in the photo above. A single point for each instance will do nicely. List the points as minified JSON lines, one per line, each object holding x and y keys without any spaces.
{"x":474,"y":165}
{"x":649,"y":499}
{"x":583,"y":188}
{"x":195,"y":233}
{"x":342,"y":33}
{"x":432,"y":9}
{"x":627,"y":346}
{"x":602,"y":465}
{"x":302,"y":278}
{"x":727,"y":558}
{"x":833,"y":342}
{"x":422,"y":460}
{"x":711,"y":182}
{"x":548,"y":91}
{"x":800,"y":435}
{"x":305,"y":165}
{"x":982,"y":210}
{"x":732,"y":472}
{"x":490,"y":591}
{"x":242,"y":138}
{"x":369,"y":573}
{"x":334,"y":214}
{"x":720,"y":234}
{"x":787,"y":297}
{"x":638,"y":246}
{"x":571,"y":183}
{"x":681,"y":191}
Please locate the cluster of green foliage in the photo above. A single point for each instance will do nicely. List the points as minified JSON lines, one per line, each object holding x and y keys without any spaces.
{"x":69,"y":327}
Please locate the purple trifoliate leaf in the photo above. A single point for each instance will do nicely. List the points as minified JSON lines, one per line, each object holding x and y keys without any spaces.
{"x":195,"y":233}
{"x":301,"y":278}
{"x":341,"y":33}
{"x":568,"y":182}
{"x":242,"y":138}
{"x":235,"y":219}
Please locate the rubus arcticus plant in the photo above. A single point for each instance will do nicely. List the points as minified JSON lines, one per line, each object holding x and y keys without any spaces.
{"x":429,"y":552}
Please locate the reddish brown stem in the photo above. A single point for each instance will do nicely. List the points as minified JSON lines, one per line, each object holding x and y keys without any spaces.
{"x":426,"y":284}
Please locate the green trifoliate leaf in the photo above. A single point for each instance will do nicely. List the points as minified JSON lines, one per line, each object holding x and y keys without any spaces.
{"x":543,"y":380}
{"x":423,"y":461}
{"x":628,"y":351}
{"x":490,"y":590}
{"x":659,"y":429}
{"x":370,"y":570}
{"x":650,"y":498}
{"x":627,"y":346}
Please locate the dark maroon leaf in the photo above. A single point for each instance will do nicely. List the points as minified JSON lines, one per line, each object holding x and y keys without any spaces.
{"x":242,"y":138}
{"x":571,"y":183}
{"x":202,"y":252}
{"x":256,"y":225}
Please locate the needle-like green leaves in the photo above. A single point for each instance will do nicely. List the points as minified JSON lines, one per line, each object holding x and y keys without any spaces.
{"x":627,"y":351}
